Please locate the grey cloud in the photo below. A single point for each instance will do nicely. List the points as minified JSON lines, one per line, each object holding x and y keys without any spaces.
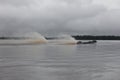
{"x":104,"y":23}
{"x":110,"y":4}
{"x":54,"y":16}
{"x":16,"y":2}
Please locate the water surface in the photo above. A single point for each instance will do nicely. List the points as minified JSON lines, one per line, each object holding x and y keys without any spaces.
{"x":99,"y":61}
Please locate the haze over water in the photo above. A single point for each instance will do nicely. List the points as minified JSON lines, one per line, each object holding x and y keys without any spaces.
{"x":99,"y":61}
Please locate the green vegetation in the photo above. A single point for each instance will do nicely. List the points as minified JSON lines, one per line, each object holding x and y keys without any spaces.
{"x":91,"y":37}
{"x":12,"y":38}
{"x":77,"y":37}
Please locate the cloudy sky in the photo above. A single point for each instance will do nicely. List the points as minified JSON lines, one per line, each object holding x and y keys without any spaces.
{"x":60,"y":16}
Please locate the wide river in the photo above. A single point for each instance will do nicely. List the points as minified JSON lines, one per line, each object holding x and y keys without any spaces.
{"x":99,"y":61}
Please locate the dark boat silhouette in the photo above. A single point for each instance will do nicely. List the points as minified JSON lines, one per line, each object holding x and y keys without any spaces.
{"x":88,"y":42}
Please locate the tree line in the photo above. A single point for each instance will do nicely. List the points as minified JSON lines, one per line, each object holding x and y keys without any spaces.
{"x":91,"y":37}
{"x":78,"y":37}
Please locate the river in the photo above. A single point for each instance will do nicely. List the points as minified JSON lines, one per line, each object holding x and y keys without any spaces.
{"x":100,"y":61}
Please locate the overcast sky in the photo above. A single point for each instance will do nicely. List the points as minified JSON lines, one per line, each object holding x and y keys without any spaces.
{"x":60,"y":16}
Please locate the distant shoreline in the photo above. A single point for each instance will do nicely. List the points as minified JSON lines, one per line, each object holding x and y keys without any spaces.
{"x":77,"y":37}
{"x":91,"y":37}
{"x":4,"y":38}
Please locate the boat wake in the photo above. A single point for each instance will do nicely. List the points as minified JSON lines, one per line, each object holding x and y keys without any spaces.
{"x":21,"y":39}
{"x":36,"y":38}
{"x":64,"y":40}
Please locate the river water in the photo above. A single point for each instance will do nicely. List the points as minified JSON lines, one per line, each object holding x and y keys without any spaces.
{"x":99,"y":61}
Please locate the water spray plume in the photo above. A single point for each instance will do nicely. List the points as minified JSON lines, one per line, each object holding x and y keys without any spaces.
{"x":21,"y":39}
{"x":66,"y":40}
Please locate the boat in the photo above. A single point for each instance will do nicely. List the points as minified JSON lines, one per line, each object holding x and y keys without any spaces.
{"x":87,"y":42}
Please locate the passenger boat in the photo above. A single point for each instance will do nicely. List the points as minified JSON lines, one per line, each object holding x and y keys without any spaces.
{"x":87,"y":42}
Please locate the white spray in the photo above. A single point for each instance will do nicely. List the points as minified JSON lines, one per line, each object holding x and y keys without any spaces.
{"x":32,"y":37}
{"x":66,"y":40}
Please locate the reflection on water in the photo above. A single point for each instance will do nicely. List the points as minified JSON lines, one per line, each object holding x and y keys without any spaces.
{"x":61,"y":62}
